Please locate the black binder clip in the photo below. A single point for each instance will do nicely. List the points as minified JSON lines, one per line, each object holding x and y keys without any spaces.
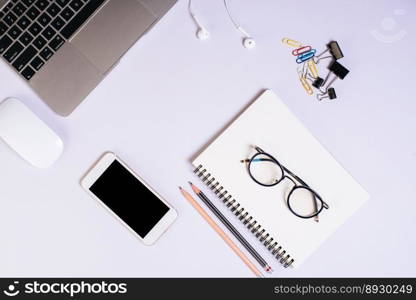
{"x":318,"y":82}
{"x":334,"y":50}
{"x":336,"y":70}
{"x":330,"y":94}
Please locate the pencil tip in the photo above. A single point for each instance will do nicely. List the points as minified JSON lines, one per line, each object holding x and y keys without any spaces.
{"x":194,"y":188}
{"x":180,"y":188}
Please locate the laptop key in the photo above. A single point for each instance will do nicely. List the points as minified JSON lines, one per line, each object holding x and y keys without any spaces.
{"x":67,"y":13}
{"x":76,"y":5}
{"x":35,"y":29}
{"x":14,"y":32}
{"x":28,"y":73}
{"x":39,"y":42}
{"x":44,"y":19}
{"x":42,"y":4}
{"x":23,"y":22}
{"x":13,"y":51}
{"x":25,"y":58}
{"x":56,"y":43}
{"x":58,"y":23}
{"x":5,"y":42}
{"x":26,"y":38}
{"x":63,"y":3}
{"x":19,"y":9}
{"x":53,"y":9}
{"x":3,"y":28}
{"x":48,"y":33}
{"x":82,"y":16}
{"x":28,"y":2}
{"x":8,"y":6}
{"x":10,"y":18}
{"x":37,"y":63}
{"x":46,"y":53}
{"x":33,"y":13}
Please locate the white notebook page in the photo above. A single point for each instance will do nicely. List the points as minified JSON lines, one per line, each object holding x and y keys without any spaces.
{"x":269,"y":124}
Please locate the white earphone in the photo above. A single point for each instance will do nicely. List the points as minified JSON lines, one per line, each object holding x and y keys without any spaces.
{"x":248,"y":41}
{"x":203,"y":34}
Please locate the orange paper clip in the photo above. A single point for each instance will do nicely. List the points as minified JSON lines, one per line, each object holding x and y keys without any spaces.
{"x":291,"y":42}
{"x":306,"y":85}
{"x":304,"y":81}
{"x":312,"y":67}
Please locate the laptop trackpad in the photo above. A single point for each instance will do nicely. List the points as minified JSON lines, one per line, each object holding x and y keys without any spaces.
{"x":112,"y":32}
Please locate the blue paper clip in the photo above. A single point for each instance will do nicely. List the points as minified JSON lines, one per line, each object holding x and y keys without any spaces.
{"x":306,"y":56}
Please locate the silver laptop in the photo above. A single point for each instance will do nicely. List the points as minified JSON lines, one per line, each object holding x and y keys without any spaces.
{"x":64,"y":48}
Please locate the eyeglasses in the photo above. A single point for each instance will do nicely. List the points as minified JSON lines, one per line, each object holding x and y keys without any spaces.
{"x":302,"y":200}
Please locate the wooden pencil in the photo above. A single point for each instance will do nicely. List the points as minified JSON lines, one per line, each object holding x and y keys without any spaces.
{"x":221,"y":233}
{"x":231,"y":228}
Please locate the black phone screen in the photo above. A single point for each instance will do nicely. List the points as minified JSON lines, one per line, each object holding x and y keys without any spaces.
{"x":129,"y":199}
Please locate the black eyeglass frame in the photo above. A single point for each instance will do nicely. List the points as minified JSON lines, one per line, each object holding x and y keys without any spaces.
{"x":284,"y":172}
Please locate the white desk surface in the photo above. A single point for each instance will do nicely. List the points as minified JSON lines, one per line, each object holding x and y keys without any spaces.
{"x":172,"y":93}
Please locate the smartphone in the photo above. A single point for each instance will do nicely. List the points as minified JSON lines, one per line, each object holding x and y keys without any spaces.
{"x":128,"y":198}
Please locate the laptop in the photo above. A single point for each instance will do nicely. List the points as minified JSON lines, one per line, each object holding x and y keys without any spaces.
{"x":65,"y":48}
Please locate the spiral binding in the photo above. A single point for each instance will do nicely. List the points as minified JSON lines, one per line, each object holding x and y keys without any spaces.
{"x":244,"y":216}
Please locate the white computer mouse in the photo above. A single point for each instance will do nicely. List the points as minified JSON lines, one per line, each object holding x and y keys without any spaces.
{"x":28,"y":135}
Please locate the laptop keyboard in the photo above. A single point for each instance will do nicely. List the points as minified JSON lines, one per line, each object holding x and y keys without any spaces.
{"x":32,"y":31}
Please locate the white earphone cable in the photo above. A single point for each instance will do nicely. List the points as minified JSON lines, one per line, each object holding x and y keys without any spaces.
{"x":203,"y":34}
{"x":237,"y":26}
{"x":191,"y":13}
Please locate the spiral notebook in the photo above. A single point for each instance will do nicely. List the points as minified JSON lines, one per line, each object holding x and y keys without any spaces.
{"x":269,"y":124}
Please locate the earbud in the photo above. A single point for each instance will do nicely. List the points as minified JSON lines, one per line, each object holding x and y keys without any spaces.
{"x":249,"y":43}
{"x":202,"y":34}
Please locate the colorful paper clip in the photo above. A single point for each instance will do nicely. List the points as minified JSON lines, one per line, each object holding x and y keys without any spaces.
{"x":308,"y":69}
{"x":291,"y":42}
{"x":304,"y":82}
{"x":306,"y":56}
{"x":301,"y":50}
{"x":312,"y":67}
{"x":306,"y":85}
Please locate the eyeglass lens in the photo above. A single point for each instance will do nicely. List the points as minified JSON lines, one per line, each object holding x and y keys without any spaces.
{"x":304,"y":202}
{"x":265,"y":170}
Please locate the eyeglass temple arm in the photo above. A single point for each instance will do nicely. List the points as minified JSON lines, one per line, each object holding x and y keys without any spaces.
{"x":255,"y":160}
{"x":259,"y":150}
